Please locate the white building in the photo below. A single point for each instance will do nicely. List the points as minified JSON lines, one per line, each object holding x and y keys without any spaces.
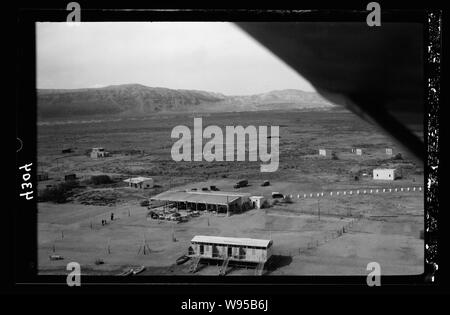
{"x":384,"y":173}
{"x":98,"y":153}
{"x":324,"y":152}
{"x":231,"y":248}
{"x":139,"y":182}
{"x":256,"y":201}
{"x":358,"y":151}
{"x":388,"y":151}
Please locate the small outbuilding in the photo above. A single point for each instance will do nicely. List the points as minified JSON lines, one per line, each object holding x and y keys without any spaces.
{"x":99,"y":153}
{"x":256,"y":201}
{"x":384,"y":173}
{"x":324,"y":152}
{"x":389,"y":151}
{"x":358,"y":151}
{"x":139,"y":182}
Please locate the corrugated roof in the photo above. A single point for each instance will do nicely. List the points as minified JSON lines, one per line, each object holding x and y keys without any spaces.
{"x":231,"y":241}
{"x":216,"y":198}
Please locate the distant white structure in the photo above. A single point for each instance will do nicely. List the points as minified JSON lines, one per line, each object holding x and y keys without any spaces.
{"x":388,"y":151}
{"x":384,"y":173}
{"x":139,"y":182}
{"x":324,"y":152}
{"x":358,"y":151}
{"x":98,"y":153}
{"x":256,"y":201}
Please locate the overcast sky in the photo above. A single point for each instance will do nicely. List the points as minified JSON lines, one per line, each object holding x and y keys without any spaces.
{"x":213,"y":56}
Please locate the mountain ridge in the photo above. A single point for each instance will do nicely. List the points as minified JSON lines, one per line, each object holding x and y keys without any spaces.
{"x":132,"y":99}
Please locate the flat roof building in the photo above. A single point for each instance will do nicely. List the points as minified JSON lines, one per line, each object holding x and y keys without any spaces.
{"x":139,"y":182}
{"x":324,"y":152}
{"x":99,"y":153}
{"x":257,"y":201}
{"x":384,"y":173}
{"x":231,"y":248}
{"x":219,"y":201}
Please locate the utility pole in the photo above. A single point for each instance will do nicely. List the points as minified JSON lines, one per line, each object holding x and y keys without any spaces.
{"x":318,"y":207}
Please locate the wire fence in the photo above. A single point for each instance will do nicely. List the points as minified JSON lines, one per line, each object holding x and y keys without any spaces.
{"x":317,"y":241}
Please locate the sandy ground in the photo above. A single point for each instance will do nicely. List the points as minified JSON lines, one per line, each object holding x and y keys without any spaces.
{"x":385,"y":230}
{"x":353,"y":230}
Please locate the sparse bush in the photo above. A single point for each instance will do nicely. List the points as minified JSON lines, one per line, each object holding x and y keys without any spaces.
{"x":265,"y":204}
{"x":246,"y":206}
{"x":287,"y":199}
{"x":99,"y":262}
{"x":144,"y":203}
{"x":398,"y":156}
{"x":334,"y":156}
{"x":60,"y":193}
{"x":101,"y":179}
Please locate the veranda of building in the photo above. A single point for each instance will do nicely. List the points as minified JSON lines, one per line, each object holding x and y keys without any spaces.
{"x":224,"y":202}
{"x":231,"y":248}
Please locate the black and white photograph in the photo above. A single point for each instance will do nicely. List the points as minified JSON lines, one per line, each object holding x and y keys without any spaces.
{"x":184,"y":148}
{"x":228,"y":146}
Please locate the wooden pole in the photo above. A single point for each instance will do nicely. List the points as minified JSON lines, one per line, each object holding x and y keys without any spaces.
{"x":318,"y":207}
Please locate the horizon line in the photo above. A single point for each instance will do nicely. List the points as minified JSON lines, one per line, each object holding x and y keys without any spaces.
{"x":162,"y":87}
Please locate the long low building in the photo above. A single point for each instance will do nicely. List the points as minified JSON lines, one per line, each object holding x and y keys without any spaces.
{"x":219,"y":201}
{"x":231,"y":248}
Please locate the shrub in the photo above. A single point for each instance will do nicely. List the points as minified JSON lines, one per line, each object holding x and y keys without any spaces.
{"x":398,"y":156}
{"x":144,"y":203}
{"x":60,"y":193}
{"x":287,"y":199}
{"x":265,"y":204}
{"x":101,"y":179}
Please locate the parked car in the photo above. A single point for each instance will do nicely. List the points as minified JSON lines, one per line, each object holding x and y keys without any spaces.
{"x":153,"y":215}
{"x":277,"y":195}
{"x":205,"y":189}
{"x":265,"y":183}
{"x":175,"y":216}
{"x":241,"y":183}
{"x":214,"y":188}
